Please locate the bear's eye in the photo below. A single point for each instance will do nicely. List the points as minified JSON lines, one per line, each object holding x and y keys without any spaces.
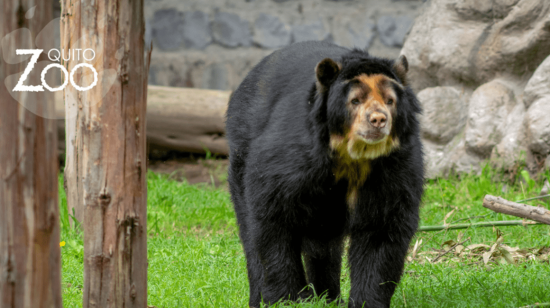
{"x":355,"y":101}
{"x":390,"y":101}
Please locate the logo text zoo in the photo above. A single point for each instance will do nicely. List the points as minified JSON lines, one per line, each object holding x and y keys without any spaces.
{"x":56,"y":55}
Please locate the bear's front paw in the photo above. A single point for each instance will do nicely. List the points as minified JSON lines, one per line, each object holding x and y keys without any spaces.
{"x":305,"y":295}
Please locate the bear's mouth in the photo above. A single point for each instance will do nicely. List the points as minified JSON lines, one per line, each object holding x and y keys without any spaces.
{"x":372,"y":137}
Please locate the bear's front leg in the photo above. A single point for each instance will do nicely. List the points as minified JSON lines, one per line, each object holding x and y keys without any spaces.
{"x":376,"y":261}
{"x":283,"y":273}
{"x":323,"y":261}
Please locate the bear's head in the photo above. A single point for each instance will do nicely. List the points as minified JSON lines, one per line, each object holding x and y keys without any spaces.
{"x":367,"y":103}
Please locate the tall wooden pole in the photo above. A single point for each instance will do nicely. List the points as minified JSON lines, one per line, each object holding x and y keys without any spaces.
{"x":30,"y":271}
{"x":106,"y":147}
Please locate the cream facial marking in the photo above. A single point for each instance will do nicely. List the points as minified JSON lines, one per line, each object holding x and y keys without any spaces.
{"x":371,"y":102}
{"x":372,"y":105}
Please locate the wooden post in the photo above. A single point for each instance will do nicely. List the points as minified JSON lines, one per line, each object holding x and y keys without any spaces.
{"x":70,"y":30}
{"x":30,"y":271}
{"x":106,"y":163}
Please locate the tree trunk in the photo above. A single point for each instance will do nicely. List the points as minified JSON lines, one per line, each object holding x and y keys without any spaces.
{"x":30,"y":267}
{"x":70,"y":31}
{"x":180,"y":119}
{"x":106,"y":163}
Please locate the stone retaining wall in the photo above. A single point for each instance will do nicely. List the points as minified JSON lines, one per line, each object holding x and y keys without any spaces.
{"x":214,"y":44}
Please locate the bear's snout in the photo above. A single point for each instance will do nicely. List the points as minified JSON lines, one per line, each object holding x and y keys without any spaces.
{"x":377,"y":119}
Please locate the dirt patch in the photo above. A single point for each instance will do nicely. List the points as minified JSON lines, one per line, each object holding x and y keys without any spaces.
{"x":193,"y":170}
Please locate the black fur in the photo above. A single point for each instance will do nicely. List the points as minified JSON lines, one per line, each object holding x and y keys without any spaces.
{"x":286,"y":200}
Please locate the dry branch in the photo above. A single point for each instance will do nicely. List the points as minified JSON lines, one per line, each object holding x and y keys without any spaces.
{"x":477,"y":224}
{"x":504,"y":206}
{"x":450,"y":249}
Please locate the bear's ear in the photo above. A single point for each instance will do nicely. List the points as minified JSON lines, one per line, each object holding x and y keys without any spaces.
{"x":326,"y":72}
{"x":401,"y":67}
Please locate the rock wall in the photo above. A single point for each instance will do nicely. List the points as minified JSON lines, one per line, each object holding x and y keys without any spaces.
{"x":482,"y":72}
{"x":214,"y":44}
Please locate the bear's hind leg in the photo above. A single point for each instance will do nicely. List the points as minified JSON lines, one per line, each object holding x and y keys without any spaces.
{"x":253,"y":267}
{"x":280,"y":254}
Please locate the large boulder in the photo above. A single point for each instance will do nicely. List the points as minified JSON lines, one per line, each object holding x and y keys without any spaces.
{"x":454,"y":157}
{"x":434,"y":159}
{"x":508,"y":152}
{"x":537,"y":100}
{"x":392,"y":30}
{"x":468,"y":43}
{"x":496,"y":55}
{"x":538,"y":126}
{"x":444,"y":113}
{"x":488,"y":111}
{"x":539,"y":84}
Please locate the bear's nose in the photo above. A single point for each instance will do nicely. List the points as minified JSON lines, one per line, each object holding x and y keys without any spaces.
{"x":377,"y":119}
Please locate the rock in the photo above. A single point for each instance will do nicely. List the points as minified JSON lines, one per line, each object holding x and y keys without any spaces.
{"x":508,"y":152}
{"x":547,"y":163}
{"x":353,"y":30}
{"x":270,"y":32}
{"x":163,"y":25}
{"x":444,"y":113}
{"x":229,"y":30}
{"x":392,"y":30}
{"x":545,"y":189}
{"x":204,"y":68}
{"x":461,"y":160}
{"x":539,"y":84}
{"x":434,"y":158}
{"x":437,"y":45}
{"x":488,"y":110}
{"x":484,"y":10}
{"x":315,"y":31}
{"x":215,"y":77}
{"x":455,"y":43}
{"x":470,"y":45}
{"x":196,"y":30}
{"x":451,"y":158}
{"x":538,"y":126}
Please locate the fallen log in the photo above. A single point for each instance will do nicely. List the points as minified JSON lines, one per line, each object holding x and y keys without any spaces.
{"x":504,"y":206}
{"x":180,"y":119}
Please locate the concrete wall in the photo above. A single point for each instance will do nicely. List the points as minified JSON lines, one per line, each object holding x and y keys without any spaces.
{"x":213,"y":44}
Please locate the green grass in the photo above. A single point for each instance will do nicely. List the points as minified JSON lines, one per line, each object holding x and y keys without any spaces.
{"x":465,"y":196}
{"x":196,"y":260}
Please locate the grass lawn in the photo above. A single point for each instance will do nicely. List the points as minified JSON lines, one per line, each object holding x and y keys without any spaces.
{"x":196,"y":260}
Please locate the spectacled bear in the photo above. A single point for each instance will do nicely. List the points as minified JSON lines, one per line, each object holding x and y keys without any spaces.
{"x":324,"y":144}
